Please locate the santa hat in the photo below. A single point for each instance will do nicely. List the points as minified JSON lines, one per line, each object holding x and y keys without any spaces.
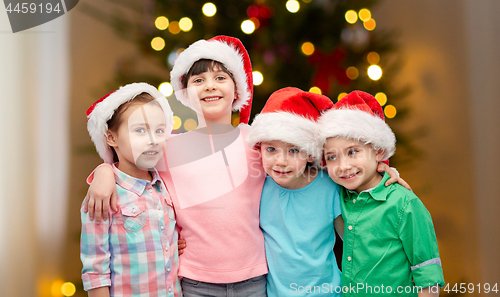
{"x":360,"y":117}
{"x":103,"y":110}
{"x":290,"y":115}
{"x":232,"y":54}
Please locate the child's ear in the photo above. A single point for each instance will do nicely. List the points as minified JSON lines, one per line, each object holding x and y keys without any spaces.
{"x":111,"y":139}
{"x":380,"y":155}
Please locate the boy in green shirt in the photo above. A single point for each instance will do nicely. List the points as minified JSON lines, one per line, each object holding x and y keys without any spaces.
{"x":390,"y":246}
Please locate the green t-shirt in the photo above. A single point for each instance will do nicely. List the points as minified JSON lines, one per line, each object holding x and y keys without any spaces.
{"x":390,"y":246}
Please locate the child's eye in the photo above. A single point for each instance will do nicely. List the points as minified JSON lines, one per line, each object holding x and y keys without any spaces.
{"x":160,"y":131}
{"x":294,"y":151}
{"x":331,"y":158}
{"x":220,"y":78}
{"x":197,"y":80}
{"x":352,"y":152}
{"x":140,"y":130}
{"x":271,"y":149}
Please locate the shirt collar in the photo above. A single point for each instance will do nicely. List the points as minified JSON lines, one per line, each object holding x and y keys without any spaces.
{"x":378,"y":193}
{"x":133,"y":184}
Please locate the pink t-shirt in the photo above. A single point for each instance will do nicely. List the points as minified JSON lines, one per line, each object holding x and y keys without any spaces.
{"x":215,"y":182}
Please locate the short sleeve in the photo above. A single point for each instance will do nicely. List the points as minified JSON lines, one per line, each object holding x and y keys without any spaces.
{"x":90,"y":178}
{"x":420,"y":245}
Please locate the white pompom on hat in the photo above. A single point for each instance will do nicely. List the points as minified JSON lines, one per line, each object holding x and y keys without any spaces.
{"x":103,"y":110}
{"x":290,"y":116}
{"x":232,"y":54}
{"x":360,"y":117}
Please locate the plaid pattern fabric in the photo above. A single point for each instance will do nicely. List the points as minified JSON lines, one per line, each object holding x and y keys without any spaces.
{"x":135,"y":250}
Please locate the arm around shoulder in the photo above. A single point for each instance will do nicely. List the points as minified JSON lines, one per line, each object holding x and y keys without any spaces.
{"x":101,"y":193}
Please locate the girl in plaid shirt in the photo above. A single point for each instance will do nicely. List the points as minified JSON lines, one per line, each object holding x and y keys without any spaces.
{"x":134,"y":252}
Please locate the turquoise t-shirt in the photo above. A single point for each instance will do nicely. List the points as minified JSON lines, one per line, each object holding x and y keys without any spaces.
{"x":299,"y":237}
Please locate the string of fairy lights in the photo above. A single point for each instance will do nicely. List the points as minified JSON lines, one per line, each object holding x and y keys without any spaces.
{"x":248,"y":26}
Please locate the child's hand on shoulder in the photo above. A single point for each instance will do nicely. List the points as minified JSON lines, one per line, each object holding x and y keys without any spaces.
{"x":394,"y":176}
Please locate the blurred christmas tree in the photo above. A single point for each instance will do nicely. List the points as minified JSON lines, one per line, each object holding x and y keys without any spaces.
{"x":327,"y":46}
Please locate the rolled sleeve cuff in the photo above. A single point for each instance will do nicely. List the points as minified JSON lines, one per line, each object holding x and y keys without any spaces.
{"x":94,"y":280}
{"x":428,"y":273}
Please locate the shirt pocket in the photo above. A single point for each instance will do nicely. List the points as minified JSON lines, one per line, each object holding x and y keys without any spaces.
{"x":134,"y":216}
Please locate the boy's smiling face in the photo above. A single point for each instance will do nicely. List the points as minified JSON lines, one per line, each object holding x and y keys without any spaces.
{"x":352,"y":164}
{"x":212,"y":92}
{"x":285,"y":163}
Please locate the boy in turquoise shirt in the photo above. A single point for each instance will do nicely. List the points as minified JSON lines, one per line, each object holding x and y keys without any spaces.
{"x":390,"y":245}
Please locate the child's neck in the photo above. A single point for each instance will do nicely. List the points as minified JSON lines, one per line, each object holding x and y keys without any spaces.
{"x":133,"y":171}
{"x":215,"y":126}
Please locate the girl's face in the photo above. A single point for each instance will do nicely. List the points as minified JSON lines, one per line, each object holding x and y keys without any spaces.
{"x":139,"y":138}
{"x":352,"y":164}
{"x":212,"y":93}
{"x":285,"y":163}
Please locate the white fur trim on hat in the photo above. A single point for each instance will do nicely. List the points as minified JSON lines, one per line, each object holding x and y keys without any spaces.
{"x":360,"y":126}
{"x":219,"y":51}
{"x":287,"y":127}
{"x":103,"y":111}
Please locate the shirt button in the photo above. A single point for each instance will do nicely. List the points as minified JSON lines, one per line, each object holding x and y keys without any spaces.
{"x":158,"y":207}
{"x":150,"y":191}
{"x":133,"y":210}
{"x":353,"y":200}
{"x":349,"y":259}
{"x":168,"y":269}
{"x":162,"y":227}
{"x":350,"y":227}
{"x":170,"y":290}
{"x":166,"y":248}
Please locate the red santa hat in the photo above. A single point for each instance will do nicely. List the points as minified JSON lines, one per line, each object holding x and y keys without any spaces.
{"x":360,"y":117}
{"x":290,"y":115}
{"x":232,"y":54}
{"x":103,"y":110}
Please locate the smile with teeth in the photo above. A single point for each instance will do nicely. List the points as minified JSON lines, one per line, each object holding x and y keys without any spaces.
{"x":211,"y":99}
{"x":350,"y":176}
{"x":151,"y":153}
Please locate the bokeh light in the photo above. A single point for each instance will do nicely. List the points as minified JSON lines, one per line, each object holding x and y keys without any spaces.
{"x":375,"y":72}
{"x":161,"y":23}
{"x":174,"y":28}
{"x":315,"y":90}
{"x":185,"y":24}
{"x":340,"y":96}
{"x":292,"y":6}
{"x":258,"y":78}
{"x":68,"y":289}
{"x":190,"y":125}
{"x":56,"y":286}
{"x":390,"y":111}
{"x":247,"y":27}
{"x":370,"y":24}
{"x":373,"y":58}
{"x":209,"y":9}
{"x":381,"y":98}
{"x":256,"y":22}
{"x":157,"y":43}
{"x":177,"y":123}
{"x":166,"y":89}
{"x":307,"y":48}
{"x":352,"y":73}
{"x":351,"y":16}
{"x":365,"y":14}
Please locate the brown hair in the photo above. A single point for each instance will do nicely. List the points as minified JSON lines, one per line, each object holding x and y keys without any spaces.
{"x":116,"y":119}
{"x":204,"y":65}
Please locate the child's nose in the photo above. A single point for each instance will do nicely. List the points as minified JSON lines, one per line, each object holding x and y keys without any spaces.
{"x":210,"y":85}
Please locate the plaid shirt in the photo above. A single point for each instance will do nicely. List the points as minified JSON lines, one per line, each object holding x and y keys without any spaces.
{"x":135,"y":251}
